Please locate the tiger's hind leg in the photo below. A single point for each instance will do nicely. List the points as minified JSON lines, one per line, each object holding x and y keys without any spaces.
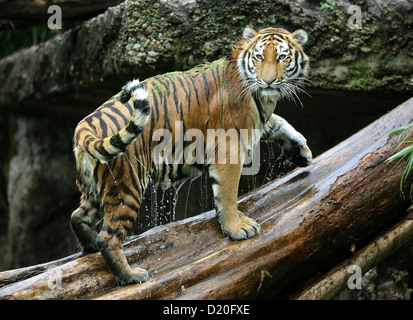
{"x":83,"y":222}
{"x":117,"y":222}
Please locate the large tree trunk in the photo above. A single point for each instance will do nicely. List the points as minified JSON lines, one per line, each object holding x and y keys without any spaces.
{"x":311,"y":220}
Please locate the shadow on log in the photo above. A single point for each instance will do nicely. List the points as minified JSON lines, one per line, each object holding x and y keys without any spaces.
{"x":311,"y":220}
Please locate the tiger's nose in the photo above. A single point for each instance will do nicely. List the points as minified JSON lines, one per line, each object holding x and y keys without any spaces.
{"x":269,"y":80}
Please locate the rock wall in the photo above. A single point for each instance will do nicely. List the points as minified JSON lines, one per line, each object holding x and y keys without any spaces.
{"x":146,"y":37}
{"x":41,"y":191}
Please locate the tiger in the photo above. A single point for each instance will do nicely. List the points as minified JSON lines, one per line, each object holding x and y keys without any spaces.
{"x":113,"y":146}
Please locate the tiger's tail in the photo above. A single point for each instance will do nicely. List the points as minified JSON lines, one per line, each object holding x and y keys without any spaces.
{"x":105,"y":149}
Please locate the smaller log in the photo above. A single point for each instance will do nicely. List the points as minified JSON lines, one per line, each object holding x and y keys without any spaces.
{"x":377,"y":251}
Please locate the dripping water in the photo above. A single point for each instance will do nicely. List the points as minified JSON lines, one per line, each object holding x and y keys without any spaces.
{"x":204,"y":191}
{"x":153,"y":218}
{"x":274,"y":164}
{"x":187,"y":196}
{"x":174,"y":202}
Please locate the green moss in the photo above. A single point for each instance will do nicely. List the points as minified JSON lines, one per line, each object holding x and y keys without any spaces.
{"x":333,"y":5}
{"x":363,"y":35}
{"x":330,"y":5}
{"x":366,"y":74}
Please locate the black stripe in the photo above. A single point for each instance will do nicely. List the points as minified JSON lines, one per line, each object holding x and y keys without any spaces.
{"x":79,"y":132}
{"x":108,"y":229}
{"x":294,"y":70}
{"x":124,"y":96}
{"x":133,"y":129}
{"x":114,"y":120}
{"x":244,"y":61}
{"x":136,"y":179}
{"x":129,"y":106}
{"x":206,"y":86}
{"x":89,"y":120}
{"x":118,"y":169}
{"x":142,"y":105}
{"x":98,"y":145}
{"x":104,"y":178}
{"x":290,"y":68}
{"x":117,"y":142}
{"x":114,"y":193}
{"x":215,"y":79}
{"x":187,"y":93}
{"x":88,"y":139}
{"x":279,"y":37}
{"x":259,"y":107}
{"x":126,"y":217}
{"x":114,"y":109}
{"x":129,"y":192}
{"x":213,"y":181}
{"x":172,"y":81}
{"x":302,"y":63}
{"x":117,"y":232}
{"x":155,"y":101}
{"x":108,"y":104}
{"x":218,"y":81}
{"x":189,"y":86}
{"x":165,"y":114}
{"x":195,"y":89}
{"x":247,"y":61}
{"x":102,"y":124}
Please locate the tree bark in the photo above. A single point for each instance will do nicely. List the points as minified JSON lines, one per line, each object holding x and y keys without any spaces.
{"x":311,"y":220}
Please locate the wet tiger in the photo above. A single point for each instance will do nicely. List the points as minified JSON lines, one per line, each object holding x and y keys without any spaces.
{"x":114,"y":146}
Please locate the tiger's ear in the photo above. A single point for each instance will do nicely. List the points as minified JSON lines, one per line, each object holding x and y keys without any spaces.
{"x":300,"y":36}
{"x":249,"y":34}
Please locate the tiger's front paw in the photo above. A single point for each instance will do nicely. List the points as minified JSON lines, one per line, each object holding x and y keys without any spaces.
{"x":240,"y":227}
{"x":297,"y":151}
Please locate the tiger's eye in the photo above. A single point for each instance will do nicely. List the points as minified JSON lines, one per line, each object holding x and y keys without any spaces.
{"x":282,"y":56}
{"x":259,"y":57}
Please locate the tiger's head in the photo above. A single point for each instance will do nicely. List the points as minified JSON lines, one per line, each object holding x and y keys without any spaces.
{"x":271,"y":62}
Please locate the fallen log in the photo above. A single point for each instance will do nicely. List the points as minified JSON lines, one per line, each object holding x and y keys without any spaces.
{"x":311,"y":220}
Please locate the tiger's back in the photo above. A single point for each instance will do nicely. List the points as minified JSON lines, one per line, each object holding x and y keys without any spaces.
{"x":196,"y":99}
